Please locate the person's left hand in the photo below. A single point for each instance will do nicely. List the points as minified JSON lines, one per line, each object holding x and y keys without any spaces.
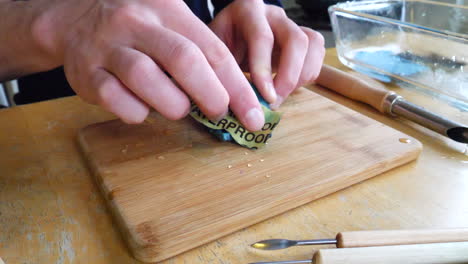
{"x":263,"y":39}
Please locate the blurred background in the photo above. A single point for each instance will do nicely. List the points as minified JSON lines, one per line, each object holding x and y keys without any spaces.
{"x":313,"y":14}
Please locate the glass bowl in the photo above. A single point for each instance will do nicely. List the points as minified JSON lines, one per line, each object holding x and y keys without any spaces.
{"x":419,"y":43}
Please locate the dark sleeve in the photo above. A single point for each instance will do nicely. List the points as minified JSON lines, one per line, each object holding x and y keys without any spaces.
{"x":43,"y":86}
{"x":200,"y":9}
{"x":220,"y":4}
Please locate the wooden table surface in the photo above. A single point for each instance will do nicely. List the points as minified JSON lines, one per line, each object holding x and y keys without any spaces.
{"x":52,"y":212}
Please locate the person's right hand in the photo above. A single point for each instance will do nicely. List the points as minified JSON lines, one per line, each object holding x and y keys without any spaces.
{"x":115,"y":53}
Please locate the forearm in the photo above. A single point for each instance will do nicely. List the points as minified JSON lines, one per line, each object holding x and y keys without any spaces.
{"x":20,"y":51}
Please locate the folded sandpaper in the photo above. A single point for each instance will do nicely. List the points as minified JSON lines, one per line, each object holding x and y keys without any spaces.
{"x":230,"y":129}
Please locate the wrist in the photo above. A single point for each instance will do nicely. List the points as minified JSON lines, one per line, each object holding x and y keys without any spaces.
{"x":46,"y":34}
{"x":22,"y":52}
{"x":52,"y":25}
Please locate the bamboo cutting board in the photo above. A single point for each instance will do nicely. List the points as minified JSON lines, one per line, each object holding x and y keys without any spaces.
{"x":173,"y":187}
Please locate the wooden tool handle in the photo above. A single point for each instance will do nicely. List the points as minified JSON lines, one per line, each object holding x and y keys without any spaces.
{"x":403,"y":254}
{"x":400,"y":237}
{"x":360,"y":88}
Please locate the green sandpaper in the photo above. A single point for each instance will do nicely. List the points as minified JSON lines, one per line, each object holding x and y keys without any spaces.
{"x":230,"y":129}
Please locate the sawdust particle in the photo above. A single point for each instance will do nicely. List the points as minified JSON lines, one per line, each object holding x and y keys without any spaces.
{"x":124,"y":151}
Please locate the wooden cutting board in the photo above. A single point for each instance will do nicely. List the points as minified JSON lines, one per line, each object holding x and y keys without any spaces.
{"x":172,"y":187}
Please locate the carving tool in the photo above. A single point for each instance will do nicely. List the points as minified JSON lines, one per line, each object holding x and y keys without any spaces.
{"x":388,"y":102}
{"x":438,"y":253}
{"x":372,"y":238}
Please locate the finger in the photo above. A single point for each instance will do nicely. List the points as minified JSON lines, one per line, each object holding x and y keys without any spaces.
{"x":146,"y":80}
{"x":293,"y":43}
{"x":113,"y":96}
{"x":189,"y":67}
{"x":78,"y":76}
{"x":256,"y":31}
{"x":314,"y":58}
{"x":225,"y":30}
{"x":243,"y":101}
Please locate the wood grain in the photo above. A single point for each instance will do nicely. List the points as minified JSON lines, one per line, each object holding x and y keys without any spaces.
{"x":439,"y":253}
{"x":354,"y":86}
{"x":371,"y":238}
{"x":52,"y":212}
{"x":173,"y":187}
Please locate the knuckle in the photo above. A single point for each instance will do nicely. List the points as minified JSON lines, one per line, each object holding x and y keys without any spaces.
{"x":313,"y":76}
{"x":315,"y":37}
{"x":300,"y":38}
{"x":42,"y":33}
{"x":319,"y":39}
{"x":289,"y":83}
{"x":307,"y":78}
{"x":322,"y":52}
{"x":107,"y":94}
{"x":316,"y":72}
{"x":185,"y":55}
{"x":125,"y":14}
{"x":136,"y":68}
{"x":276,"y":12}
{"x":252,"y":5}
{"x":264,"y":37}
{"x":218,"y":54}
{"x":218,"y":107}
{"x":310,"y":77}
{"x":39,"y":26}
{"x":178,"y":112}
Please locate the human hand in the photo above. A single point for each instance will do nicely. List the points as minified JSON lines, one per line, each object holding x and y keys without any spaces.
{"x":115,"y":53}
{"x":263,"y":39}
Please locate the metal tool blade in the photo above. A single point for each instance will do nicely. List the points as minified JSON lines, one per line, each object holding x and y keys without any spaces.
{"x":275,"y":244}
{"x":398,"y":106}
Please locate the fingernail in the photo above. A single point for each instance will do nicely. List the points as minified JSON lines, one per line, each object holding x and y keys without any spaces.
{"x":270,"y":90}
{"x":277,"y":103}
{"x":254,"y":119}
